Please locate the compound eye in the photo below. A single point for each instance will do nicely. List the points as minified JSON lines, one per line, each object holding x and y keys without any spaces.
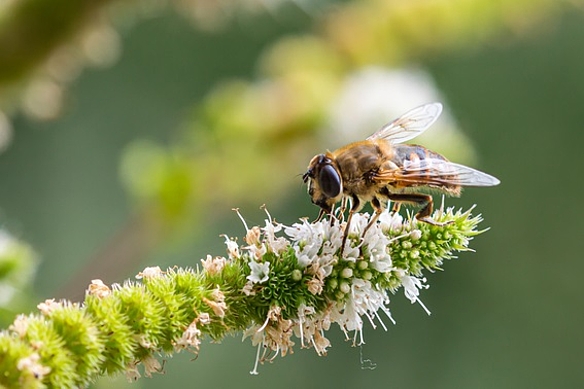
{"x":329,"y":181}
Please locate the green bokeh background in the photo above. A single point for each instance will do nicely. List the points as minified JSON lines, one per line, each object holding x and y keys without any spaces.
{"x":508,"y":316}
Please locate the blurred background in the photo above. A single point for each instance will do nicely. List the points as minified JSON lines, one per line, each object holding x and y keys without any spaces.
{"x":129,"y":130}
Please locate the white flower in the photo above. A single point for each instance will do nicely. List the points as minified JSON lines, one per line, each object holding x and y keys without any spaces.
{"x":276,"y":244}
{"x":150,"y":272}
{"x":391,"y":221}
{"x":363,"y":300}
{"x":412,"y":286}
{"x":203,"y":318}
{"x":232,"y":247}
{"x":299,"y":232}
{"x":132,"y":373}
{"x":151,"y":365}
{"x":217,"y":303}
{"x":20,"y":325}
{"x":32,"y":365}
{"x":416,"y":234}
{"x":310,"y":328}
{"x":191,"y":337}
{"x":376,"y":243}
{"x":259,"y":271}
{"x":213,"y":265}
{"x":257,"y":251}
{"x":347,"y":318}
{"x":308,"y":238}
{"x":358,"y":223}
{"x":49,"y":306}
{"x":99,"y":289}
{"x":332,"y":241}
{"x":368,"y":300}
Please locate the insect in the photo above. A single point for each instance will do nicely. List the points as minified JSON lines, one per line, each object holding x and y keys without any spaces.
{"x":381,"y":169}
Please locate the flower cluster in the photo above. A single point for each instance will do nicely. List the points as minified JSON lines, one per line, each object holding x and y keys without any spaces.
{"x":327,"y":285}
{"x":284,"y":284}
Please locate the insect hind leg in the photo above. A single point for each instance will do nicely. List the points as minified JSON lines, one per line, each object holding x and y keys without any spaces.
{"x":395,"y":207}
{"x":423,"y":200}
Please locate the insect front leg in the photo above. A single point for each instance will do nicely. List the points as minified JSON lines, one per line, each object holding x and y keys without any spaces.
{"x":323,"y":212}
{"x":320,"y":215}
{"x":356,"y":205}
{"x":342,"y":208}
{"x":332,"y":217}
{"x":378,"y":207}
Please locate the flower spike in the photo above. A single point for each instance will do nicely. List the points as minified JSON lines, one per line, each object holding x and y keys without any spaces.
{"x":286,"y":284}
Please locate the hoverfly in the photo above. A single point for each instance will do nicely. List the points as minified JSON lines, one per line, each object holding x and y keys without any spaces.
{"x":381,"y":169}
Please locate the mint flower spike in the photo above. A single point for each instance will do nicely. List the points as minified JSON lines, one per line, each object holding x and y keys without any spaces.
{"x":285,"y":284}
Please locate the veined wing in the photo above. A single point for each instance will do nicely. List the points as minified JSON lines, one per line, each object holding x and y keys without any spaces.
{"x":410,"y":124}
{"x":435,"y":172}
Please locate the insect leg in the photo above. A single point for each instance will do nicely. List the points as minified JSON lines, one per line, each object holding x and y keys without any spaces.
{"x":332,"y":217}
{"x":320,"y":215}
{"x":378,"y":207}
{"x":356,"y":205}
{"x":395,"y":207}
{"x":342,"y":208}
{"x":423,"y":200}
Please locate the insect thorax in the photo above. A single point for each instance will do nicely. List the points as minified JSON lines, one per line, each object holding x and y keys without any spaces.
{"x":357,"y":159}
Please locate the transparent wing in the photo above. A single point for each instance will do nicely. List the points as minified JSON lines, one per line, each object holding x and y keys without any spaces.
{"x":467,"y":176}
{"x":410,"y":124}
{"x":435,"y":172}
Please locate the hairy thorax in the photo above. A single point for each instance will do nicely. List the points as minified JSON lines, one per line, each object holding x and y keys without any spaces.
{"x":358,"y":162}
